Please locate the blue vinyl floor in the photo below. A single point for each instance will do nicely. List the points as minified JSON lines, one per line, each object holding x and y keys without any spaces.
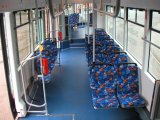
{"x":69,"y":94}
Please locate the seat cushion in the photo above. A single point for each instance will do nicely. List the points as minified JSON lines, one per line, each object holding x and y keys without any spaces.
{"x":104,"y":90}
{"x":105,"y":102}
{"x":131,"y":100}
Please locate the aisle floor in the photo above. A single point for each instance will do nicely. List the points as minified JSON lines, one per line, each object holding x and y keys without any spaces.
{"x":69,"y":94}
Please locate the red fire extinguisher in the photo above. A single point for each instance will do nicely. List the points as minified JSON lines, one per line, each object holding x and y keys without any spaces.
{"x":60,"y":35}
{"x":45,"y":66}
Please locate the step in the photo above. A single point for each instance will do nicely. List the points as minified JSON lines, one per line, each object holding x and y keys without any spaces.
{"x":78,"y":40}
{"x":77,"y":45}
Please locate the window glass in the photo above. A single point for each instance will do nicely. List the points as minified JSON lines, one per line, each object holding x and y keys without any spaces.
{"x":140,"y":17}
{"x":17,"y":18}
{"x":33,"y":13}
{"x":109,"y":9}
{"x":23,"y":39}
{"x":42,"y":27}
{"x":119,"y":30}
{"x":35,"y":34}
{"x":132,"y":14}
{"x":24,"y":17}
{"x":41,"y":31}
{"x":154,"y":60}
{"x":110,"y":25}
{"x":122,"y":12}
{"x":135,"y":44}
{"x":156,"y":20}
{"x":46,"y":23}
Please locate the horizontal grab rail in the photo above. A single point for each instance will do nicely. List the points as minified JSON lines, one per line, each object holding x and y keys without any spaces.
{"x":151,"y":43}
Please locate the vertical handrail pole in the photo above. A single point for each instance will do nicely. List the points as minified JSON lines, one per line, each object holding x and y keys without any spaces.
{"x":94,"y":31}
{"x":88,"y":22}
{"x":85,"y":16}
{"x":43,"y":82}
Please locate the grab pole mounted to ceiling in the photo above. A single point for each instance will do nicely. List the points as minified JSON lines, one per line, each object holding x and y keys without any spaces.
{"x":94,"y":26}
{"x":88,"y":19}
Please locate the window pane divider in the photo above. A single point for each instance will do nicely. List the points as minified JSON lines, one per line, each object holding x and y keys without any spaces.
{"x":136,"y":23}
{"x":22,"y":25}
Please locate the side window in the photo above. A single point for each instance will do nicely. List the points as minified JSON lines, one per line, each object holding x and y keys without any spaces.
{"x":135,"y":33}
{"x":110,"y":20}
{"x":41,"y":27}
{"x":120,"y":27}
{"x":23,"y":32}
{"x":132,"y":14}
{"x":154,"y":58}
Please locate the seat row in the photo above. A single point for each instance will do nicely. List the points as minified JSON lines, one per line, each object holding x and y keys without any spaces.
{"x":50,"y":53}
{"x":113,"y":80}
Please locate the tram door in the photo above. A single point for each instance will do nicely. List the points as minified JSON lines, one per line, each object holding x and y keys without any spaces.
{"x":7,"y":106}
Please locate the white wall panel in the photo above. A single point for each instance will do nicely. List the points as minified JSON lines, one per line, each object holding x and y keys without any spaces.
{"x":147,"y":89}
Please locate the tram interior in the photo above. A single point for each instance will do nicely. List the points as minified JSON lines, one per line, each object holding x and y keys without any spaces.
{"x":79,"y":60}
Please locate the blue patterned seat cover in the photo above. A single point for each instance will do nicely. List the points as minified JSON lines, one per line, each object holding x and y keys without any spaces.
{"x":74,"y":19}
{"x":117,"y":58}
{"x":102,"y":53}
{"x":103,"y":85}
{"x":101,"y":33}
{"x":99,"y":30}
{"x":128,"y":87}
{"x":111,"y":49}
{"x":101,"y":74}
{"x":106,"y":102}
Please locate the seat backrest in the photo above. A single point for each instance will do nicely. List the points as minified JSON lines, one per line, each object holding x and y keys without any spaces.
{"x":116,"y":48}
{"x":99,"y":30}
{"x":100,"y":33}
{"x":104,"y":42}
{"x":117,"y":57}
{"x":103,"y":75}
{"x":100,"y":58}
{"x":112,"y":48}
{"x":99,"y":49}
{"x":108,"y":42}
{"x":127,"y":78}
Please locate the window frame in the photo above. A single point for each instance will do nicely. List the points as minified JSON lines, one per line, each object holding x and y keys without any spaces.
{"x":18,"y":26}
{"x":109,"y":10}
{"x":21,"y":24}
{"x":135,"y":22}
{"x":39,"y":22}
{"x":29,"y":22}
{"x":150,"y":24}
